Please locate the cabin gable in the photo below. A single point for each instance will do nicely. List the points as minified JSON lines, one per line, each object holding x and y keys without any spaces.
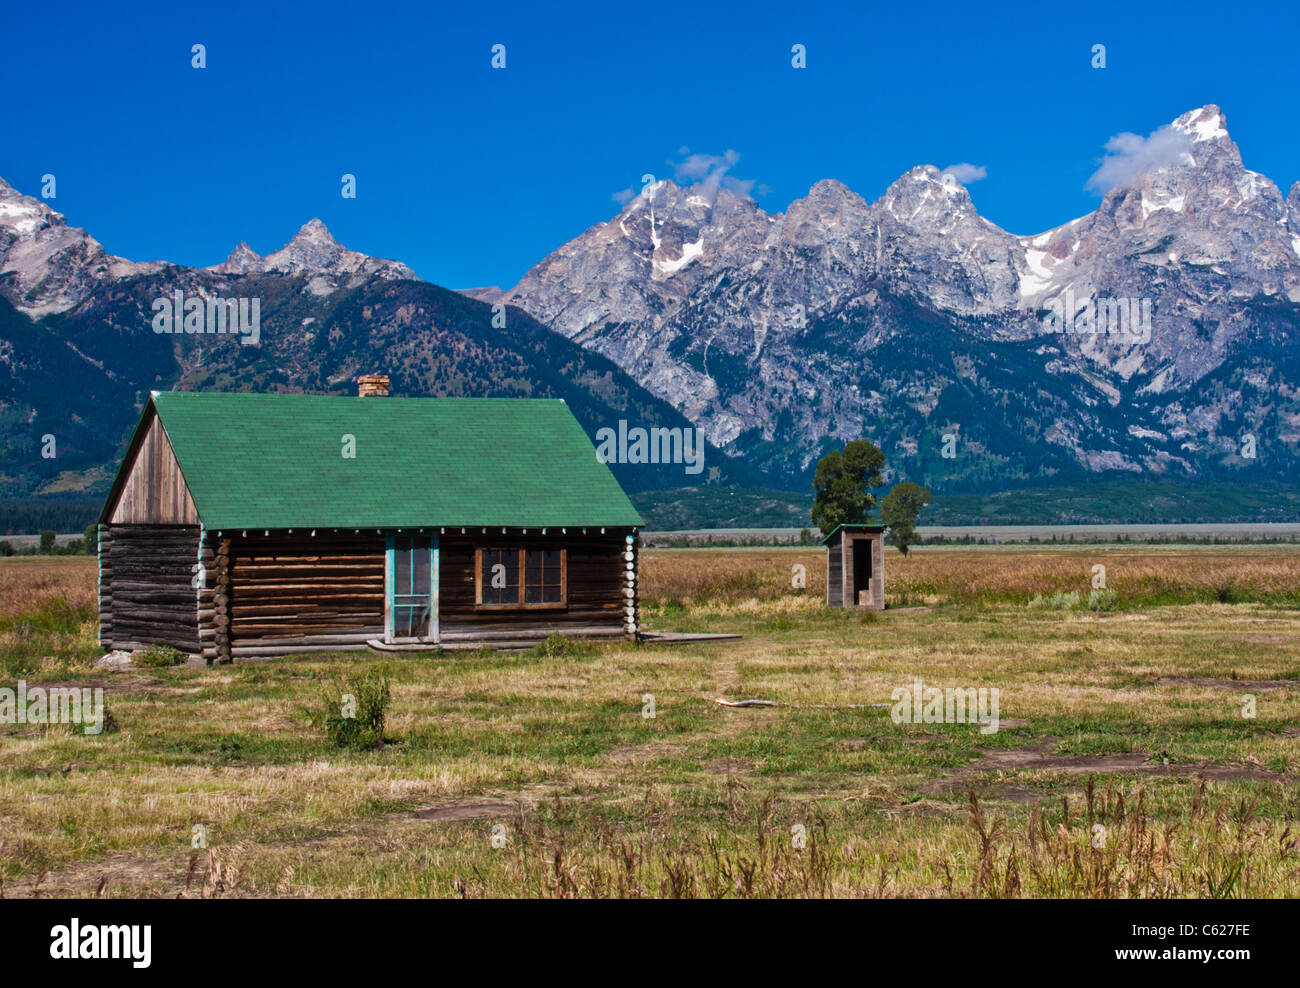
{"x":152,"y":488}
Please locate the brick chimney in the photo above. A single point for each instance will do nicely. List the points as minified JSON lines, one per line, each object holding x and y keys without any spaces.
{"x":372,"y":386}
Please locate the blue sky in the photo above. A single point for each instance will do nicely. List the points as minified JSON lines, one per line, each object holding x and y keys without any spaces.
{"x":470,"y":175}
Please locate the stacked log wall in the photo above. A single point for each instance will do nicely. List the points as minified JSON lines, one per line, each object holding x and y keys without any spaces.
{"x":205,"y":595}
{"x":221,"y":601}
{"x":297,"y":592}
{"x":280,"y":593}
{"x":631,"y":589}
{"x":103,"y":539}
{"x":595,"y":578}
{"x":147,"y":593}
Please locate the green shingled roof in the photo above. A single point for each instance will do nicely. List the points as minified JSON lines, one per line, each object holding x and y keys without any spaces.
{"x":869,"y":526}
{"x":275,"y":461}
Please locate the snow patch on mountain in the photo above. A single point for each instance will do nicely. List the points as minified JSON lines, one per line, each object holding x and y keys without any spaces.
{"x":1205,"y":124}
{"x":690,"y":252}
{"x":47,"y":266}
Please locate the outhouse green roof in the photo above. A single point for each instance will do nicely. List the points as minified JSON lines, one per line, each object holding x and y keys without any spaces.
{"x":853,"y":527}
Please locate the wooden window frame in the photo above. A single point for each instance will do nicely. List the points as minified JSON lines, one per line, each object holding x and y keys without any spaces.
{"x":560,"y":605}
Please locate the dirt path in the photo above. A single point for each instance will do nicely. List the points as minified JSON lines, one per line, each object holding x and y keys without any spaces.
{"x":1038,"y":757}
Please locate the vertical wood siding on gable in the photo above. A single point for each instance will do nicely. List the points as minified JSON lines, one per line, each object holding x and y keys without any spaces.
{"x":155,"y":491}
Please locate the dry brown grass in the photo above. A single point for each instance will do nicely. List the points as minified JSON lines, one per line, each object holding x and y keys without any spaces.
{"x":695,"y":575}
{"x":31,"y":584}
{"x":929,"y":575}
{"x":701,"y":799}
{"x":47,"y":615}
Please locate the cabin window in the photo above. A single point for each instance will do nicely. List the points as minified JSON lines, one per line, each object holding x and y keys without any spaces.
{"x":521,"y":577}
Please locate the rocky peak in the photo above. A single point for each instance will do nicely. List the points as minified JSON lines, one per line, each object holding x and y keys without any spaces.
{"x":830,"y":189}
{"x":644,"y":261}
{"x":45,"y":265}
{"x":1203,"y":178}
{"x":935,"y":245}
{"x":692,"y":208}
{"x":926,"y":198}
{"x":242,"y":260}
{"x":829,"y":212}
{"x":1293,"y":216}
{"x":316,"y":233}
{"x":314,"y":252}
{"x":21,"y":217}
{"x":1204,"y":124}
{"x":313,"y":249}
{"x":1187,"y":223}
{"x":674,"y":230}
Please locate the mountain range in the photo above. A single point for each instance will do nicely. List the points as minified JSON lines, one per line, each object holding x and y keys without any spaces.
{"x":913,"y":318}
{"x":79,"y":353}
{"x":968,"y":353}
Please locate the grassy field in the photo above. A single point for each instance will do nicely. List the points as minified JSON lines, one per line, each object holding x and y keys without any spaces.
{"x":1123,"y":764}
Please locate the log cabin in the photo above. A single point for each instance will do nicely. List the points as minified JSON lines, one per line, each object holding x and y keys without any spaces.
{"x":245,"y":525}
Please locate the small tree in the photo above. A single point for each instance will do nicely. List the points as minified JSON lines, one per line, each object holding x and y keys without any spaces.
{"x":92,"y":539}
{"x":843,"y":483}
{"x":899,"y":510}
{"x":47,"y":542}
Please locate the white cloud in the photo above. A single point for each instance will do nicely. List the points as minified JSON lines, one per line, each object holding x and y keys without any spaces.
{"x":705,"y":174}
{"x":1128,"y":156}
{"x":965,"y":172}
{"x":710,"y":172}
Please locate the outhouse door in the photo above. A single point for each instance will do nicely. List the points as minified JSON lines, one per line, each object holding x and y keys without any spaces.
{"x":861,"y":568}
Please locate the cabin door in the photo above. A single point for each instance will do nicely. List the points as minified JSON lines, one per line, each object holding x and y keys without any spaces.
{"x":411,"y":609}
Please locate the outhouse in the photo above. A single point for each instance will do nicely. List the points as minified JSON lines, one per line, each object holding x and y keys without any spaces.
{"x":855,"y":566}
